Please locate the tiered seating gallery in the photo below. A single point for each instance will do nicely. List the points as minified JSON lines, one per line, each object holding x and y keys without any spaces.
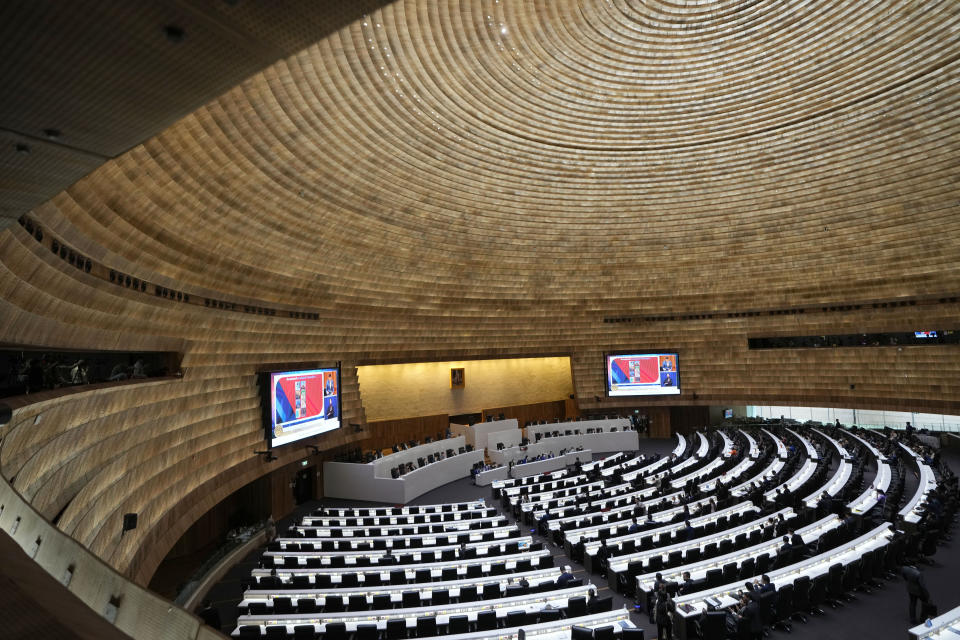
{"x":738,"y":531}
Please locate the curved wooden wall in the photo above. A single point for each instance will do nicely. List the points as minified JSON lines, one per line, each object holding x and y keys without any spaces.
{"x":490,"y":179}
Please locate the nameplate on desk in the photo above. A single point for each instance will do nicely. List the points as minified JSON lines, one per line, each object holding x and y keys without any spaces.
{"x":714,"y":602}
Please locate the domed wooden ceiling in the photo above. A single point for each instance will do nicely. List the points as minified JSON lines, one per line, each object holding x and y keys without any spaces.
{"x":604,"y":155}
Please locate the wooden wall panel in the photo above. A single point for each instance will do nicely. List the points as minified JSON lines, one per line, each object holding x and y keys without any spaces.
{"x":524,"y":413}
{"x":383,"y":434}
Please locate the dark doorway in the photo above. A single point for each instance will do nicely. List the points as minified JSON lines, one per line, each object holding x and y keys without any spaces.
{"x":303,"y":486}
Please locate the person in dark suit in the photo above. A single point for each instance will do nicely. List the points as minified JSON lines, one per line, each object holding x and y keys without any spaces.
{"x":565,"y":577}
{"x":916,"y":590}
{"x":687,"y":585}
{"x":634,"y":528}
{"x":765,"y":584}
{"x":746,"y":613}
{"x":662,"y":612}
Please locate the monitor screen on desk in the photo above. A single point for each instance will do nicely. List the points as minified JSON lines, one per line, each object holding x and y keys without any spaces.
{"x":301,"y":404}
{"x":643,"y":374}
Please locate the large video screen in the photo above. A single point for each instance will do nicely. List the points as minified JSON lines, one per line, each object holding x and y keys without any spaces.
{"x":643,"y":374}
{"x":303,"y":404}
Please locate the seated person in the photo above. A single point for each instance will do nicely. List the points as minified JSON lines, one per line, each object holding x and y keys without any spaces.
{"x":565,"y":577}
{"x":686,"y":585}
{"x":765,"y":584}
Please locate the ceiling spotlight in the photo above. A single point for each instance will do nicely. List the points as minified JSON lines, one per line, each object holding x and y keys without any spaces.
{"x":52,"y":134}
{"x":174,"y":33}
{"x":22,"y":149}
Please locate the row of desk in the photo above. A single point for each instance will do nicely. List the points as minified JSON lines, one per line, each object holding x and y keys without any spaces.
{"x":538,"y":467}
{"x":695,"y":604}
{"x":596,"y":442}
{"x":365,"y":481}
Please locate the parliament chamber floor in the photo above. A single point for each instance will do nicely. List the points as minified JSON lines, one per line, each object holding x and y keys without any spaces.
{"x":473,"y":562}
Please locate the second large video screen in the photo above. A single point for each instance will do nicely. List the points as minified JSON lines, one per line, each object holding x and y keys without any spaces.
{"x":303,"y":404}
{"x":643,"y":374}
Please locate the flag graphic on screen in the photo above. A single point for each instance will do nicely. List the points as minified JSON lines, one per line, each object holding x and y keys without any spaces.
{"x":635,"y":370}
{"x":642,"y":374}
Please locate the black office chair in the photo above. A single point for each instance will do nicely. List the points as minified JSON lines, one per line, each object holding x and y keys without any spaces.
{"x":426,"y":627}
{"x":603,"y":633}
{"x":486,"y":620}
{"x":783,"y":609}
{"x":249,"y":631}
{"x":381,"y":601}
{"x":396,"y":629}
{"x":675,"y":558}
{"x":333,"y":604}
{"x":513,"y":590}
{"x":516,"y":619}
{"x":631,"y":634}
{"x":714,"y":578}
{"x":548,"y":615}
{"x":730,"y":572}
{"x":599,"y":605}
{"x":468,"y":594}
{"x":491,"y":590}
{"x":744,"y":632}
{"x":421,"y":576}
{"x":713,"y":625}
{"x":410,"y":599}
{"x":834,"y":585}
{"x":581,"y":633}
{"x":367,"y":632}
{"x":258,"y":609}
{"x":576,"y":607}
{"x":440,"y":596}
{"x":766,"y":603}
{"x":762,"y":563}
{"x":693,"y":555}
{"x":818,"y":593}
{"x":748,"y":568}
{"x":335,"y":631}
{"x":458,"y":624}
{"x":851,"y":579}
{"x":655,"y":563}
{"x":358,"y":602}
{"x":304,"y":632}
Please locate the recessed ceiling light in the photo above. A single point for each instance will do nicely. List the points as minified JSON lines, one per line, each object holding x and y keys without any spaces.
{"x":52,"y":134}
{"x":22,"y":148}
